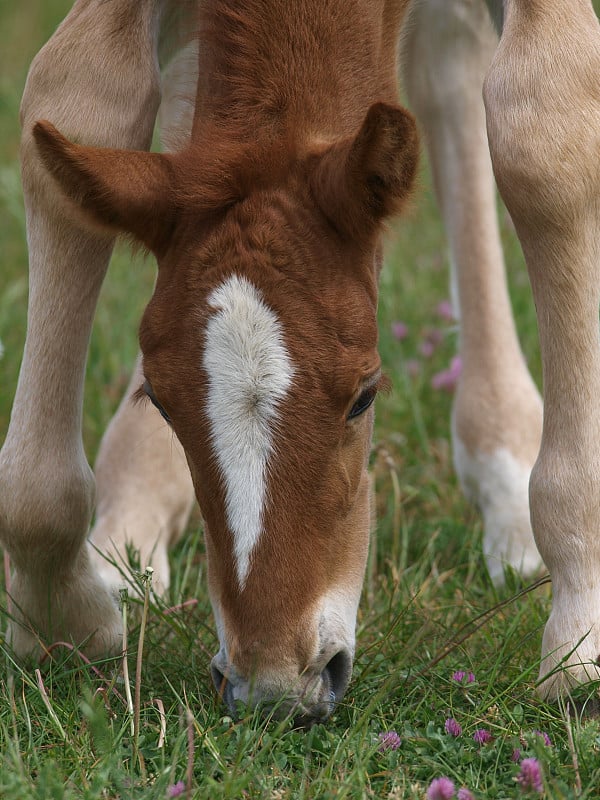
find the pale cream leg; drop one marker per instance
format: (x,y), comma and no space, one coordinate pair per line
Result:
(97,81)
(543,110)
(144,491)
(497,414)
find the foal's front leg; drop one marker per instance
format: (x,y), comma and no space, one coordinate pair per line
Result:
(543,108)
(97,81)
(497,416)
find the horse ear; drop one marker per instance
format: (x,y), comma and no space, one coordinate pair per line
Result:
(361,181)
(123,190)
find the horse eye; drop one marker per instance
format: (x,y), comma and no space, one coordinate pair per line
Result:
(363,402)
(152,397)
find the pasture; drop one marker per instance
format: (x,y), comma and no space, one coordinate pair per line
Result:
(446,664)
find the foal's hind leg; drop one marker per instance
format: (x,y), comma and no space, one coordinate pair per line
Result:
(144,491)
(497,410)
(97,81)
(543,109)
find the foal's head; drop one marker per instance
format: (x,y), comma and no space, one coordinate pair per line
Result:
(260,350)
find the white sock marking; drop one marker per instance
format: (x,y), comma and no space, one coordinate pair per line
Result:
(249,372)
(498,484)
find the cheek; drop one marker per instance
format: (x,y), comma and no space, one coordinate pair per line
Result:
(339,605)
(359,526)
(353,468)
(350,533)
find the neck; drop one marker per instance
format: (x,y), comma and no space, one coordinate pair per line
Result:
(309,66)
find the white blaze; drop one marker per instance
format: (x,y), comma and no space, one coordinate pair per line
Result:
(249,372)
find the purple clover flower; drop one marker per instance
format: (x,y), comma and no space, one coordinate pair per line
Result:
(389,740)
(452,727)
(426,348)
(399,330)
(482,736)
(530,776)
(460,676)
(176,789)
(516,755)
(445,311)
(545,737)
(448,378)
(465,794)
(440,789)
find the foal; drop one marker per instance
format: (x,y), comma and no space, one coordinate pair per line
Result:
(259,345)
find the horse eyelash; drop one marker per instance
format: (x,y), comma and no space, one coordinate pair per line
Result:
(139,396)
(384,384)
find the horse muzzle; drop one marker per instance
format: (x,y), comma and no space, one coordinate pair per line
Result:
(308,698)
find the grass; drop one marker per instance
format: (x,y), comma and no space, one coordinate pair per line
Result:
(66,731)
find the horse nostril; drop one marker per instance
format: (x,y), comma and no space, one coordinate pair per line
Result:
(303,722)
(335,679)
(337,673)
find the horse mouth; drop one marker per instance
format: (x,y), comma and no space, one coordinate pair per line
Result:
(300,708)
(224,688)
